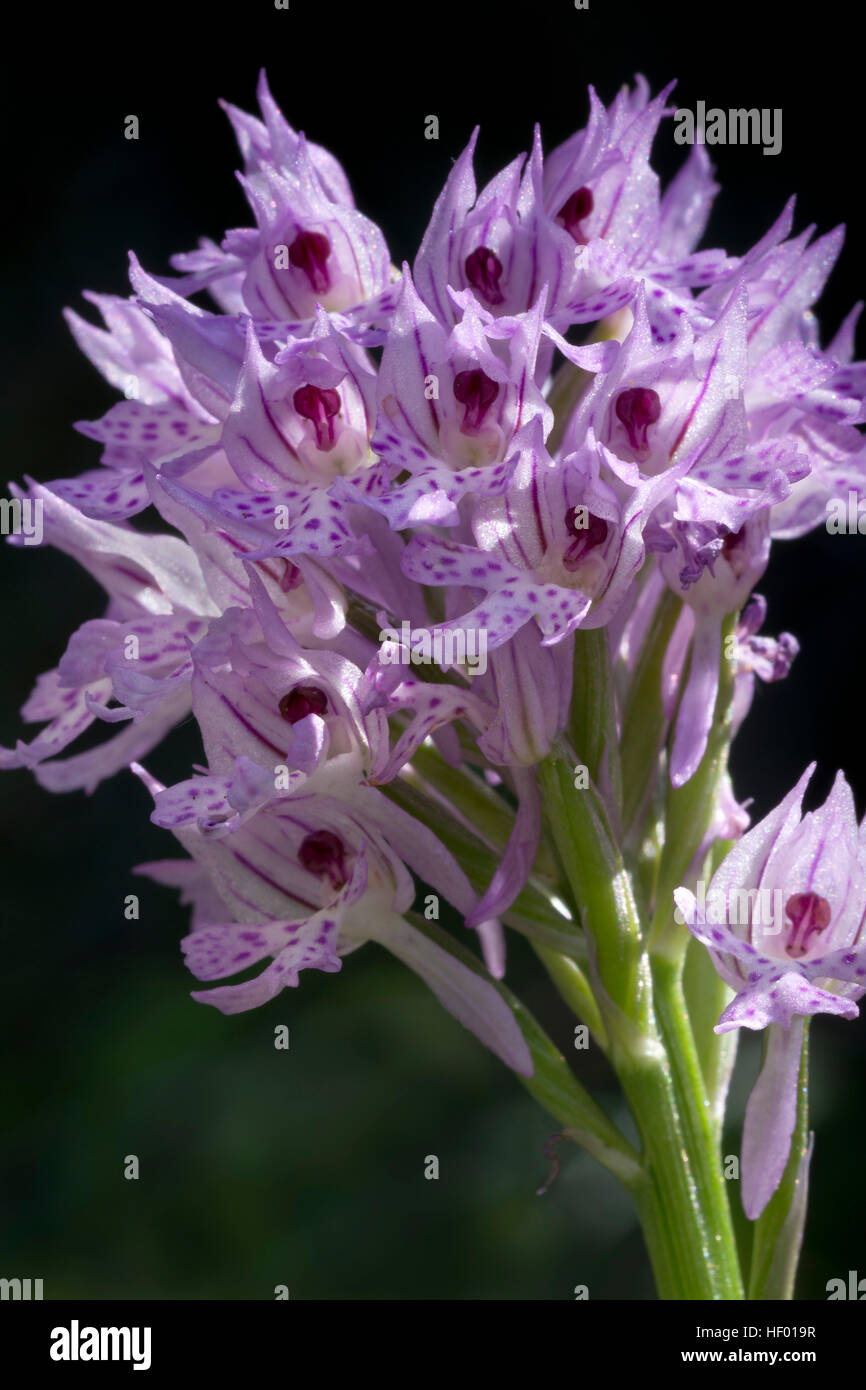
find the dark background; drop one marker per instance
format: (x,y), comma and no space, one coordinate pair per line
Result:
(305,1167)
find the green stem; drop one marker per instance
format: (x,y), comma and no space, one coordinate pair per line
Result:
(574,988)
(686,1219)
(643,722)
(700,1129)
(598,879)
(593,714)
(689,809)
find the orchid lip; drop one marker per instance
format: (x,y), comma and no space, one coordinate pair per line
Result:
(309,252)
(301,701)
(319,406)
(809,915)
(323,853)
(483,270)
(291,577)
(475,390)
(637,409)
(589,532)
(573,211)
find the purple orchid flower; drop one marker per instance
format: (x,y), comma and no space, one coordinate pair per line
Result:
(783,921)
(353,465)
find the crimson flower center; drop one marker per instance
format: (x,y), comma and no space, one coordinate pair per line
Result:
(323,853)
(292,577)
(303,700)
(574,210)
(484,271)
(589,532)
(476,392)
(637,409)
(309,252)
(809,915)
(319,406)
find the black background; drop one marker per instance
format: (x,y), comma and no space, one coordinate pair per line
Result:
(305,1167)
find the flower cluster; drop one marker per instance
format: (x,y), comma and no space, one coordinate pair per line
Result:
(561,414)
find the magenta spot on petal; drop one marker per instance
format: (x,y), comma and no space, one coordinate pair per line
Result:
(483,270)
(309,252)
(637,409)
(573,211)
(319,406)
(586,537)
(301,701)
(809,914)
(323,853)
(476,392)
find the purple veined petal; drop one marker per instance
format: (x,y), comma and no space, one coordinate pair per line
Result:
(685,206)
(433,495)
(336,255)
(695,716)
(68,713)
(744,865)
(219,560)
(282,143)
(474,1001)
(205,346)
(434,267)
(192,882)
(433,705)
(257,433)
(103,494)
(782,316)
(771,1114)
(84,771)
(416,350)
(155,572)
(742,869)
(778,993)
(531,685)
(417,845)
(130,352)
(132,429)
(519,855)
(213,952)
